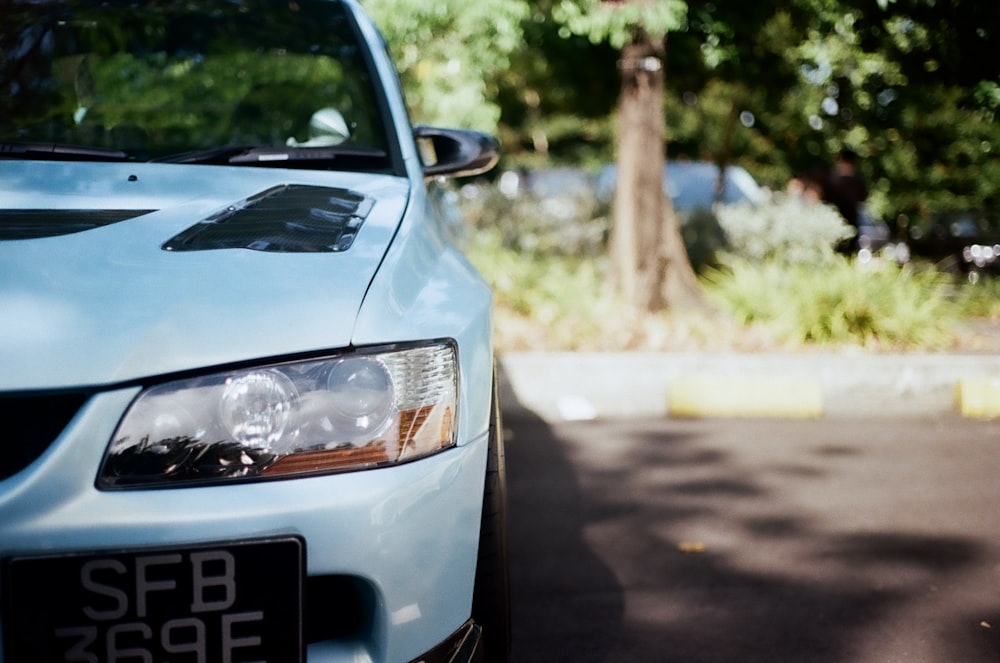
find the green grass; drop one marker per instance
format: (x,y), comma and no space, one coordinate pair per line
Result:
(840,303)
(980,299)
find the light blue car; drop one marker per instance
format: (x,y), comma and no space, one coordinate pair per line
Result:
(246,378)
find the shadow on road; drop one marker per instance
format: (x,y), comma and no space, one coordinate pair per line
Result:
(559,587)
(669,541)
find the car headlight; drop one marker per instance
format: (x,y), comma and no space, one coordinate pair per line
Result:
(347,412)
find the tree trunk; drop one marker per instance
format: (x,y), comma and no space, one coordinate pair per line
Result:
(649,263)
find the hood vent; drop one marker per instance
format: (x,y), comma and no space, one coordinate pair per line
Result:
(41,223)
(292,218)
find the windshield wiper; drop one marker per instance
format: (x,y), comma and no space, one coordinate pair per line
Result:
(59,152)
(215,155)
(280,156)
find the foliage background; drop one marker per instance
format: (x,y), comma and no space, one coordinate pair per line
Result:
(912,85)
(450,53)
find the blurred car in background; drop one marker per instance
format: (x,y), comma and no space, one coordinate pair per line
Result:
(965,241)
(692,185)
(568,209)
(562,192)
(551,210)
(874,236)
(695,187)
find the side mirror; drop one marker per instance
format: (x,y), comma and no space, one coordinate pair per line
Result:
(455,152)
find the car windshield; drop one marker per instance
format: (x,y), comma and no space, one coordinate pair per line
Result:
(200,81)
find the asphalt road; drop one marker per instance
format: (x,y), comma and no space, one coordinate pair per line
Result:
(717,541)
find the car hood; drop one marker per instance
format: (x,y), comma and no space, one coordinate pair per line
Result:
(115,272)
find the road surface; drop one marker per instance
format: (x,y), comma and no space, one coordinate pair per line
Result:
(872,540)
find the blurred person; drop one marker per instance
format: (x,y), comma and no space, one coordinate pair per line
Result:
(846,189)
(808,186)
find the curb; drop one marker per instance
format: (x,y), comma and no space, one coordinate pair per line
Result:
(978,397)
(566,386)
(783,396)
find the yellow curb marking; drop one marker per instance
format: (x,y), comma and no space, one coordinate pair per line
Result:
(978,397)
(786,396)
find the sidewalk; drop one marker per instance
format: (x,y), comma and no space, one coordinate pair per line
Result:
(565,386)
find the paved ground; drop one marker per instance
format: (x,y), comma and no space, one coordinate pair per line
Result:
(869,540)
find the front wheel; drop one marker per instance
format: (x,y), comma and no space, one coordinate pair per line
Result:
(491,597)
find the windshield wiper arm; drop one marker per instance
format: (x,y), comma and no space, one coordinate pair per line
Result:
(215,155)
(59,152)
(273,156)
(276,155)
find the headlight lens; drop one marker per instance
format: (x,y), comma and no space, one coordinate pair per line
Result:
(356,411)
(362,393)
(255,408)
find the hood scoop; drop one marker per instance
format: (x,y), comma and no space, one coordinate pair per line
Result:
(42,223)
(292,218)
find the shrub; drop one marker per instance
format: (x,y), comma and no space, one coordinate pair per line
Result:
(774,273)
(979,299)
(785,229)
(838,303)
(567,224)
(543,300)
(703,237)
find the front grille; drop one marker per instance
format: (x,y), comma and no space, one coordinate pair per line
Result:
(30,424)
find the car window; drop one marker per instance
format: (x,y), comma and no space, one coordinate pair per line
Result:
(691,185)
(741,186)
(694,185)
(161,78)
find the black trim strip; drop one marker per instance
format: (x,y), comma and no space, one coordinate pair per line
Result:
(40,223)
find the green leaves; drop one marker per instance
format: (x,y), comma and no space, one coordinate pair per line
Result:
(448,52)
(784,229)
(620,22)
(839,303)
(914,87)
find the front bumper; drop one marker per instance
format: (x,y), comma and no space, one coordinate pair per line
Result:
(403,539)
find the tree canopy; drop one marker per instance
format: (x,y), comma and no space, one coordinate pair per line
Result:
(912,86)
(450,53)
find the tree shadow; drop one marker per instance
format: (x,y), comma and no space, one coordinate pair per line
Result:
(559,587)
(639,541)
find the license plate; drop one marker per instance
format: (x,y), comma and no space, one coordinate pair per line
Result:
(228,603)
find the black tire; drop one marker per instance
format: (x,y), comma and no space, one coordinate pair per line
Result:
(491,597)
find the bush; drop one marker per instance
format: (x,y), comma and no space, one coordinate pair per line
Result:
(784,229)
(568,224)
(980,299)
(557,213)
(703,237)
(772,271)
(838,303)
(542,300)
